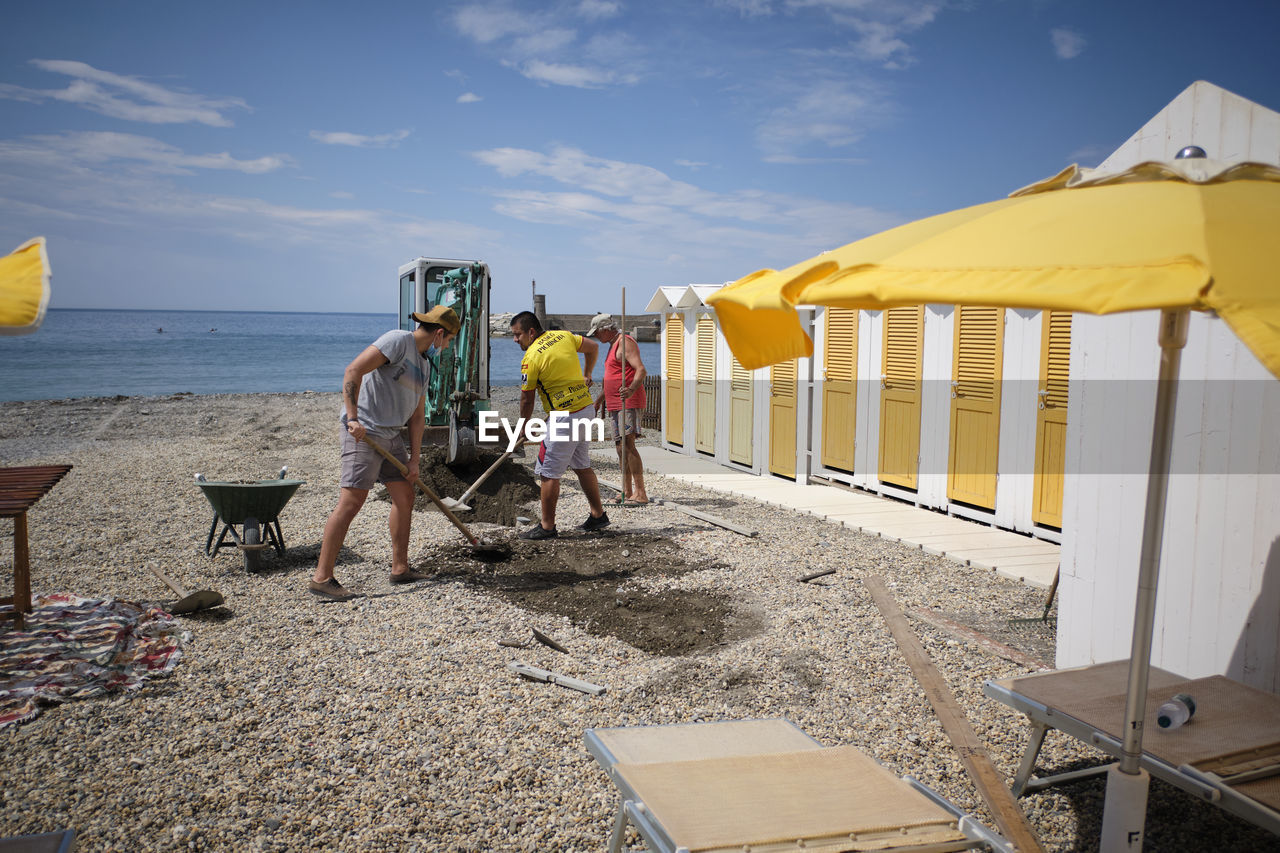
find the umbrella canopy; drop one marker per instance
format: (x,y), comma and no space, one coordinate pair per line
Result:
(24,288)
(1197,234)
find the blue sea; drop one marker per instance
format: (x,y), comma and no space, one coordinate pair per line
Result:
(93,353)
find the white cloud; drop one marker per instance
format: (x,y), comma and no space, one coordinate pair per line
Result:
(96,147)
(832,113)
(358,140)
(691,164)
(469,98)
(599,9)
(342,194)
(881,26)
(548,41)
(748,8)
(547,46)
(793,160)
(486,23)
(1067,43)
(578,76)
(624,209)
(124,97)
(1089,154)
(77,177)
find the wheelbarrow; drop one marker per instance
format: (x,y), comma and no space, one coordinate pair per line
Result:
(255,506)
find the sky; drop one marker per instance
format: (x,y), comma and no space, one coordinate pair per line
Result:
(290,156)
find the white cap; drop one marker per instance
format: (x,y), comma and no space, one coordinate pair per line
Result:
(601,321)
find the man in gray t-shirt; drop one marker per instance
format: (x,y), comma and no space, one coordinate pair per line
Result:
(383,389)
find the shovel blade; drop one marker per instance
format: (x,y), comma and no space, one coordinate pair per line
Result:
(456,506)
(199,600)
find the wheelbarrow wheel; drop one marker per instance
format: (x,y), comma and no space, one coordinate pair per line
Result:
(252,538)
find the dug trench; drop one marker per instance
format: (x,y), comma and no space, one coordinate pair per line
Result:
(608,584)
(612,583)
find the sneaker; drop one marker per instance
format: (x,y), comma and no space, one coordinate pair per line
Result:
(331,590)
(596,523)
(409,576)
(539,532)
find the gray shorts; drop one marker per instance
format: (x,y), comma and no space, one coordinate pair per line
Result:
(556,457)
(624,422)
(362,466)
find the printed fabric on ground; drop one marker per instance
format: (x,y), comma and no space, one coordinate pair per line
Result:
(75,648)
(551,366)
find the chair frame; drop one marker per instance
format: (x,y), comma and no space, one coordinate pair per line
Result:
(1207,786)
(632,810)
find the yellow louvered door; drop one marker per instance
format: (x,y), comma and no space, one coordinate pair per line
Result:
(782,418)
(900,395)
(1051,420)
(839,387)
(704,436)
(741,413)
(975,405)
(673,399)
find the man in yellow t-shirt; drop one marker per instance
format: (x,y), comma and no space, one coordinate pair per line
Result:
(550,370)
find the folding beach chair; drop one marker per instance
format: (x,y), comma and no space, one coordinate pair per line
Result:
(1228,753)
(764,785)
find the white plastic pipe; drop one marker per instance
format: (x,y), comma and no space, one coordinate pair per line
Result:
(1124,811)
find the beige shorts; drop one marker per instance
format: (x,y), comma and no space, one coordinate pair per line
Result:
(362,466)
(624,421)
(556,457)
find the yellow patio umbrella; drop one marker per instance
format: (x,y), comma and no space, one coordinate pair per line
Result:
(1191,234)
(24,288)
(1194,234)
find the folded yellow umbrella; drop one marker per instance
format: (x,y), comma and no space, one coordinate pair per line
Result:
(1195,234)
(24,288)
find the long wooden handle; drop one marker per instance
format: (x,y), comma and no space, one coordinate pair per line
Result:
(403,469)
(471,490)
(973,755)
(182,593)
(622,416)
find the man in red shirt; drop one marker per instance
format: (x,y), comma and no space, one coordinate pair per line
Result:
(623,396)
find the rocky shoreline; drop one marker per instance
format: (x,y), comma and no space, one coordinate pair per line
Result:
(392,723)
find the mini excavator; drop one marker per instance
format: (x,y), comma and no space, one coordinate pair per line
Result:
(459,386)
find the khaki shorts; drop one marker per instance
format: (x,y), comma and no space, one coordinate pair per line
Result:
(362,466)
(624,421)
(556,457)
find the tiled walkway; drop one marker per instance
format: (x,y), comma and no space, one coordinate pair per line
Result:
(1032,561)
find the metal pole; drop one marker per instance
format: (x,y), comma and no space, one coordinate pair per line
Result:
(1124,813)
(622,416)
(1173,337)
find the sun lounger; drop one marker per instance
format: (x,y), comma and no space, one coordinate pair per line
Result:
(765,785)
(1228,753)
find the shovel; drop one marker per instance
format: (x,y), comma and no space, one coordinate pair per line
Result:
(460,505)
(478,545)
(188,602)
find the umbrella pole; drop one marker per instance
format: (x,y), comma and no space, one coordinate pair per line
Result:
(1125,810)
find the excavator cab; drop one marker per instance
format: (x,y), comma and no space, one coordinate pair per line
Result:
(459,386)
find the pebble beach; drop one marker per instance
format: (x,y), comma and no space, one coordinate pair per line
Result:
(391,723)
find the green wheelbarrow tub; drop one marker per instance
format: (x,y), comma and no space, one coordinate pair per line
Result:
(260,499)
